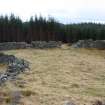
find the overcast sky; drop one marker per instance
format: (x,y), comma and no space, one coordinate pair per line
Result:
(66,11)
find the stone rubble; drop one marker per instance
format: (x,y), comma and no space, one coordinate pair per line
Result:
(15,67)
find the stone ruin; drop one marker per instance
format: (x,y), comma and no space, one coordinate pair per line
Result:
(98,44)
(33,44)
(15,67)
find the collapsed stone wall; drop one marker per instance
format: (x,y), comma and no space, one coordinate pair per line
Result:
(34,44)
(14,68)
(99,44)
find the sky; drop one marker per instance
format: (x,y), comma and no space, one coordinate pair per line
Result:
(65,11)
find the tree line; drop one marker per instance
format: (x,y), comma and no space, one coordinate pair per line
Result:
(13,29)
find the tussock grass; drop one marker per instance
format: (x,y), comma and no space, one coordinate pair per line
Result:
(63,74)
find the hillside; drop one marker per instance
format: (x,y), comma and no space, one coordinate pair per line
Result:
(57,75)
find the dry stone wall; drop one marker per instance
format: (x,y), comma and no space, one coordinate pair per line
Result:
(44,44)
(99,44)
(12,45)
(34,44)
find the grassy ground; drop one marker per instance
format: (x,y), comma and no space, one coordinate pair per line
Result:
(58,75)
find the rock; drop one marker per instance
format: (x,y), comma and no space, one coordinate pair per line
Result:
(3,78)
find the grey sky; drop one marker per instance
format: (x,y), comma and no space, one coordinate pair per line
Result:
(66,11)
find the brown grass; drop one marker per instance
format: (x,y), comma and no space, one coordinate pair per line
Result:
(2,68)
(58,75)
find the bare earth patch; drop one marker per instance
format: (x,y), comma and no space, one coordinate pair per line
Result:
(58,75)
